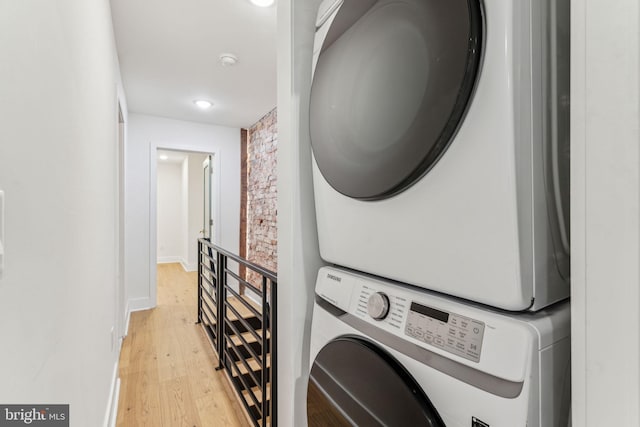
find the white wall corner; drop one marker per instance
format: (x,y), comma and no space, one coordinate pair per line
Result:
(139,304)
(188,267)
(298,253)
(127,314)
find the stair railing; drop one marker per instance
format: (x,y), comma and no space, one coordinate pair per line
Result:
(239,318)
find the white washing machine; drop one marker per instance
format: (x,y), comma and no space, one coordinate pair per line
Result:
(440,136)
(391,355)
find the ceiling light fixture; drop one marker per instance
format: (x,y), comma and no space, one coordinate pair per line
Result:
(164,157)
(263,3)
(228,59)
(202,103)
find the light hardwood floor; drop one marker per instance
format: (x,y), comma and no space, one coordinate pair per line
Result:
(167,364)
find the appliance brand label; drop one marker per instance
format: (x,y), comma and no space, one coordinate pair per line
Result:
(335,278)
(335,288)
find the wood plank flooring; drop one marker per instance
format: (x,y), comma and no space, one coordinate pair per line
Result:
(167,364)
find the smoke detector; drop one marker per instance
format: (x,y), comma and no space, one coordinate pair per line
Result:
(228,60)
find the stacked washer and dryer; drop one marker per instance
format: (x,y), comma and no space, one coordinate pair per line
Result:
(440,137)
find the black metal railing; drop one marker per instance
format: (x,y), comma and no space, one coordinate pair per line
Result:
(241,329)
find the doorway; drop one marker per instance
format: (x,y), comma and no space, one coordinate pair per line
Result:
(177,207)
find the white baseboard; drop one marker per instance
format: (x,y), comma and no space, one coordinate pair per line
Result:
(138,304)
(168,259)
(114,394)
(127,314)
(188,267)
(134,304)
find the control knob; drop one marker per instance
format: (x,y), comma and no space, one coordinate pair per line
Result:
(378,305)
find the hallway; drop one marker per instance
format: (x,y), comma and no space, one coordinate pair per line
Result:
(167,364)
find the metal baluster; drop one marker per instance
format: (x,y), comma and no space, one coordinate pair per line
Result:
(264,351)
(199,283)
(221,344)
(273,350)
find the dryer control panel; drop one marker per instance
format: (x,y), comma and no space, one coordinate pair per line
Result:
(397,306)
(451,332)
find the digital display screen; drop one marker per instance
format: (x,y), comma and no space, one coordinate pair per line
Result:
(431,312)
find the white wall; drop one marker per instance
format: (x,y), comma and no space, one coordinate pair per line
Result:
(171,204)
(58,86)
(147,133)
(298,254)
(195,209)
(605,208)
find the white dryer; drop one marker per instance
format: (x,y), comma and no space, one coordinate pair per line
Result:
(440,141)
(389,355)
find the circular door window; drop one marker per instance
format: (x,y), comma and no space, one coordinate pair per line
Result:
(355,383)
(390,90)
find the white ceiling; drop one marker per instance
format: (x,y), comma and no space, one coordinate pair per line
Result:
(169,56)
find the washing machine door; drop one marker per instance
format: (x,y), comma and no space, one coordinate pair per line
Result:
(355,383)
(390,90)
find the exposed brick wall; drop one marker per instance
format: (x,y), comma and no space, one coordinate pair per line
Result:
(262,236)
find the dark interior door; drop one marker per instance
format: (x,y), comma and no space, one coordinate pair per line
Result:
(355,383)
(390,89)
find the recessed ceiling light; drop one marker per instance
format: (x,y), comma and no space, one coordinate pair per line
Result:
(202,103)
(164,157)
(263,3)
(228,59)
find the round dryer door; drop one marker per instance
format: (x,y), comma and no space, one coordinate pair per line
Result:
(355,383)
(390,90)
